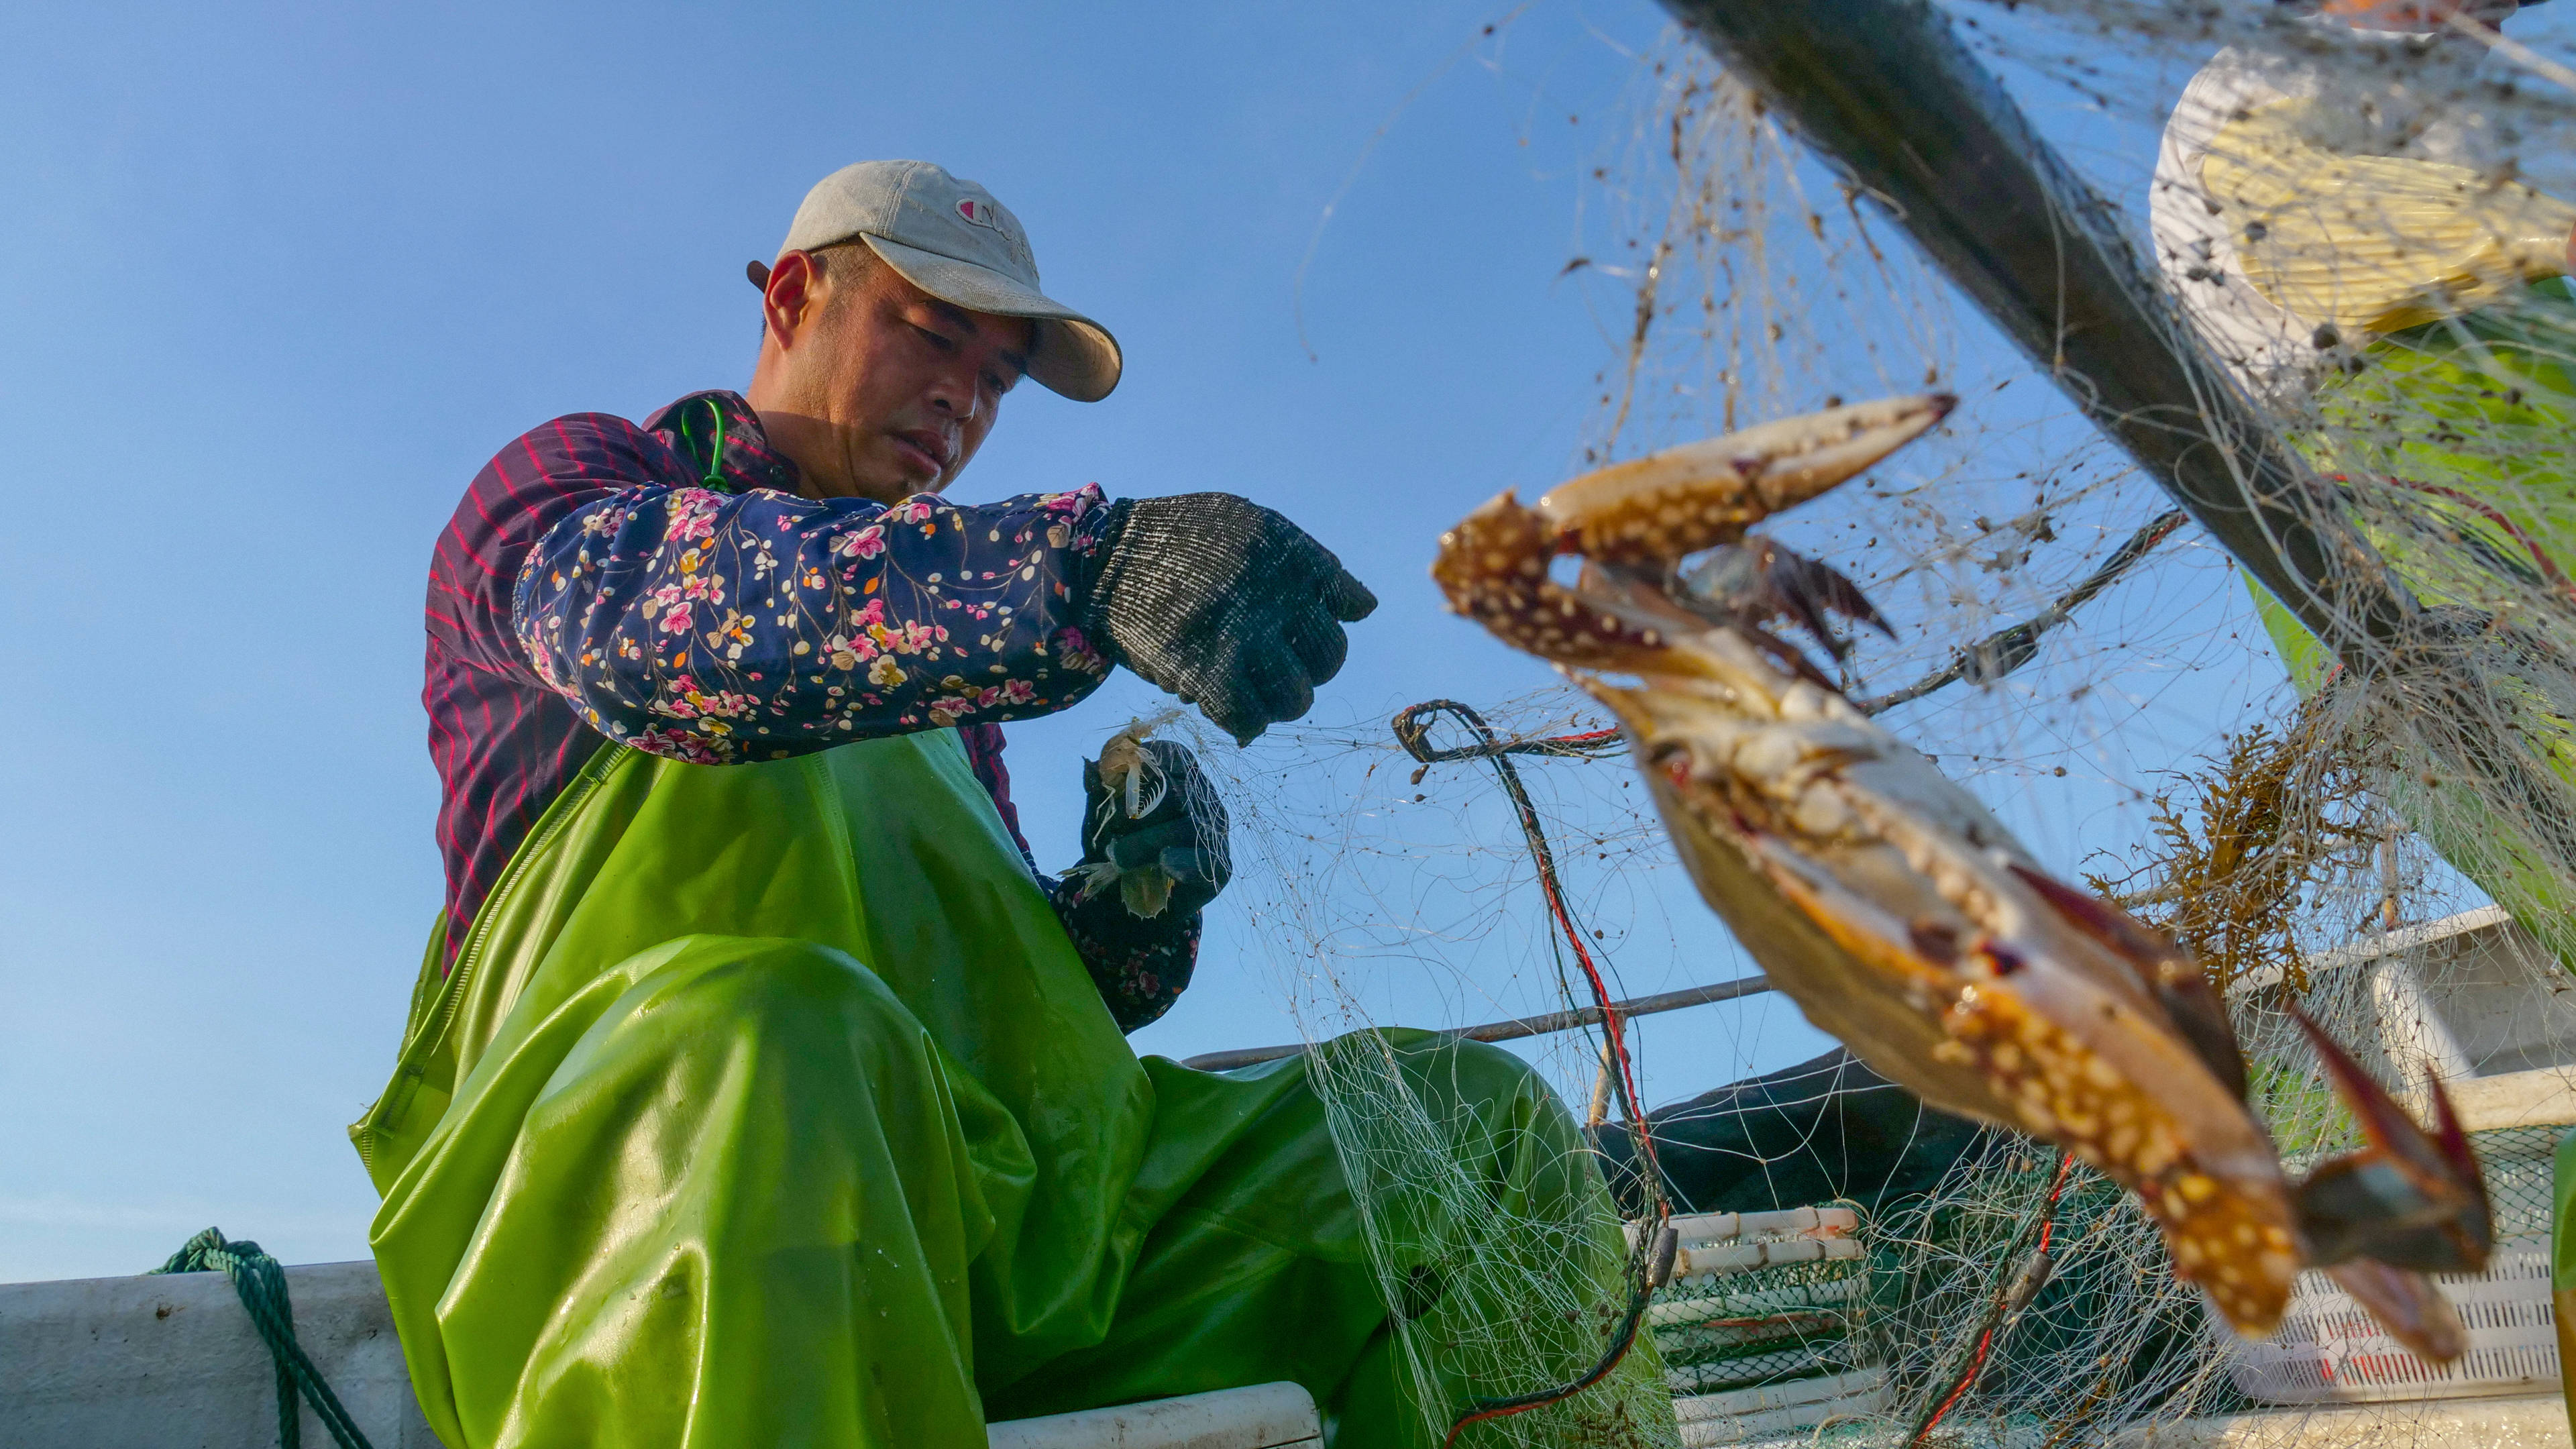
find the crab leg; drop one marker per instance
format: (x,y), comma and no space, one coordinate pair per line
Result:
(2409,1198)
(2407,1204)
(2406,1304)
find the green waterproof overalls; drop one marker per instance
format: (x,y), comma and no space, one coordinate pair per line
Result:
(769,1104)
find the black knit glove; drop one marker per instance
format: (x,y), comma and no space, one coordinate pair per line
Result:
(1223,603)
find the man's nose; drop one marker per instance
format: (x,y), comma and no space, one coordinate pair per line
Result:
(954,395)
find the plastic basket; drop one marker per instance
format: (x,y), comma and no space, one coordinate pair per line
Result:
(1770,1411)
(2329,1351)
(1757,1327)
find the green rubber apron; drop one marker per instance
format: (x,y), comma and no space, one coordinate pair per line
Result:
(770,1104)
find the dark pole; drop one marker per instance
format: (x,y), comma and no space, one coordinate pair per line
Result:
(1885,92)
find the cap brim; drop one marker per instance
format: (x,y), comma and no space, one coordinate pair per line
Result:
(1074,355)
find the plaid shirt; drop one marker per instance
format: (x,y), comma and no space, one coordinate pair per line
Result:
(665,586)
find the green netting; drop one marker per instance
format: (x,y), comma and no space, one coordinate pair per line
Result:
(2517,1163)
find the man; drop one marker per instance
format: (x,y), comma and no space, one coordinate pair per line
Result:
(756,1089)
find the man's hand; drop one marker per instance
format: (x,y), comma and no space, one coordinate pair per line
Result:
(1225,604)
(1170,858)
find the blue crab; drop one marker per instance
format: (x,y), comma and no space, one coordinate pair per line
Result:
(1902,918)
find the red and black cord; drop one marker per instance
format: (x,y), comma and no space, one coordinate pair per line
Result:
(1649,1256)
(2011,1296)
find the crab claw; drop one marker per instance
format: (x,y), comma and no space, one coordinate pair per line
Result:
(2406,1304)
(2410,1199)
(1657,509)
(1635,520)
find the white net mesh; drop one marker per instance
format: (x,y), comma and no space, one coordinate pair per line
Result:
(2359,238)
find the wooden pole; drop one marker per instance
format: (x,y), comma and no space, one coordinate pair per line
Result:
(1883,91)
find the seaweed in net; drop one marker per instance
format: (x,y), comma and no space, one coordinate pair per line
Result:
(2237,847)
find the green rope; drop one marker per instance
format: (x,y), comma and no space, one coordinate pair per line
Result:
(261,1282)
(715,460)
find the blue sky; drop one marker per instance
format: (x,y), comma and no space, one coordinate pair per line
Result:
(274,280)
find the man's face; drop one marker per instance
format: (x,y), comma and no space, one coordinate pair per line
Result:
(880,390)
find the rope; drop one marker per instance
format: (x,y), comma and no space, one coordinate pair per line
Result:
(2011,1296)
(261,1282)
(1651,1258)
(2009,648)
(1413,732)
(715,457)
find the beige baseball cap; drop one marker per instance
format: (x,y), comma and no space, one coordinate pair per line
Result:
(951,239)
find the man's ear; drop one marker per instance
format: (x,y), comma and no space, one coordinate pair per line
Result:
(790,296)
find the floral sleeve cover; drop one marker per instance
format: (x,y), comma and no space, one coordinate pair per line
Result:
(738,622)
(717,627)
(1141,964)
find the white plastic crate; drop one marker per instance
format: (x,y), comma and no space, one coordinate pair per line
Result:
(1715,1244)
(2329,1352)
(1796,1407)
(1754,1324)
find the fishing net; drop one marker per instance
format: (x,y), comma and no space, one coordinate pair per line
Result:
(2355,801)
(1377,890)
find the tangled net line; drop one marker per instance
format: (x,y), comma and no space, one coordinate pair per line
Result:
(1651,1254)
(2123,714)
(2279,829)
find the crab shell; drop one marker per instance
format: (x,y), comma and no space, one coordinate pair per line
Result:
(1874,891)
(1906,922)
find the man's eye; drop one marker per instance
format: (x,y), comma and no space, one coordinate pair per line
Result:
(939,340)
